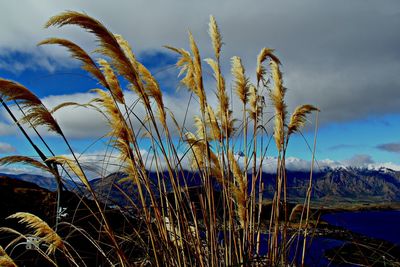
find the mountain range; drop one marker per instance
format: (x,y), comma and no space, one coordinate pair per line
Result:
(338,184)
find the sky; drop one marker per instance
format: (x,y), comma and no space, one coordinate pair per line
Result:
(341,56)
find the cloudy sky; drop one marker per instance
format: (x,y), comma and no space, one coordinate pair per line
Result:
(342,56)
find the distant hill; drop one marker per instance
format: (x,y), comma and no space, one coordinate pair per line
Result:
(352,184)
(48,183)
(340,184)
(45,182)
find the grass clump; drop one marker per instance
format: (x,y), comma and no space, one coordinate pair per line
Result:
(219,225)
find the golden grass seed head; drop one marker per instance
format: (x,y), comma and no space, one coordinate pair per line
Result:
(241,81)
(41,230)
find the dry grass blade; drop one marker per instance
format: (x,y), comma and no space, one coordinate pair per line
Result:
(41,230)
(80,54)
(25,160)
(296,209)
(69,104)
(298,118)
(215,35)
(5,260)
(241,81)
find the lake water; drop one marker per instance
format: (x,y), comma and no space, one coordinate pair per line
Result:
(378,224)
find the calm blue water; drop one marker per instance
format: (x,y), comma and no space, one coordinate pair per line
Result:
(316,248)
(378,224)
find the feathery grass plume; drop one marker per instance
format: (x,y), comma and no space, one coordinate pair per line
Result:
(241,81)
(117,123)
(137,67)
(198,122)
(73,166)
(211,120)
(215,168)
(108,45)
(112,81)
(12,91)
(191,67)
(121,134)
(126,47)
(186,66)
(128,166)
(35,112)
(5,260)
(228,124)
(77,52)
(254,109)
(223,98)
(198,73)
(262,56)
(215,35)
(40,116)
(26,160)
(153,90)
(298,118)
(197,147)
(277,96)
(41,230)
(239,190)
(185,63)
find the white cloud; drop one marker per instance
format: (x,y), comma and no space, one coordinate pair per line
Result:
(331,51)
(359,160)
(79,122)
(388,165)
(6,148)
(6,129)
(104,162)
(21,169)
